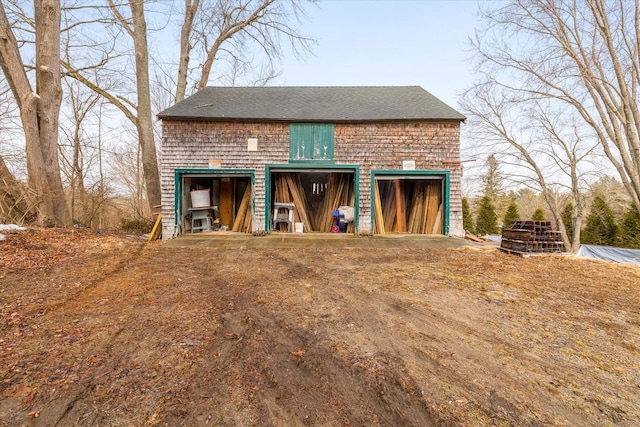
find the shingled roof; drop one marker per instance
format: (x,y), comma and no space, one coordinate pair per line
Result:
(313,104)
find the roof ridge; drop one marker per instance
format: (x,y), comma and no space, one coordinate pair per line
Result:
(312,103)
(315,86)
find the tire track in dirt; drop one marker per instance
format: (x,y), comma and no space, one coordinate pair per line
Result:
(313,381)
(295,337)
(43,300)
(462,352)
(58,319)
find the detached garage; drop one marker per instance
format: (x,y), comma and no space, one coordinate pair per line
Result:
(370,159)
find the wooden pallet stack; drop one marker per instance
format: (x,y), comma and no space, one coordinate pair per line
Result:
(528,237)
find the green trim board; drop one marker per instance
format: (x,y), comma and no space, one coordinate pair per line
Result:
(404,174)
(181,173)
(308,167)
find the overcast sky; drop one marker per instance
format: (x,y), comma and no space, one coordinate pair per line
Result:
(387,42)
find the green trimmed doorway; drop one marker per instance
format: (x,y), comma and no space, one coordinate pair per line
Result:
(315,193)
(412,204)
(230,193)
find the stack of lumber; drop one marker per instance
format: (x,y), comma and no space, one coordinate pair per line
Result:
(288,189)
(531,237)
(156,231)
(407,207)
(388,201)
(244,214)
(470,236)
(340,192)
(378,215)
(426,209)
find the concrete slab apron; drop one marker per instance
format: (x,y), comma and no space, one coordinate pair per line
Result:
(309,240)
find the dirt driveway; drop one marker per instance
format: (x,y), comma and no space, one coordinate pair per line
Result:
(101,330)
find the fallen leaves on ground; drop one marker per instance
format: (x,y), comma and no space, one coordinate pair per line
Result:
(98,329)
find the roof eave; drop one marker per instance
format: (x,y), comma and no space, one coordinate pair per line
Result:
(308,120)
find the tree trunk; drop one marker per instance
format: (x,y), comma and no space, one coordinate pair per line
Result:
(39,110)
(144,123)
(78,191)
(577,229)
(49,88)
(191,7)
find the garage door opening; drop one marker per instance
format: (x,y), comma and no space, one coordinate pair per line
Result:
(229,202)
(315,195)
(411,205)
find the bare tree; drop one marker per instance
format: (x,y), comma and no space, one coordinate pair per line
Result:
(106,47)
(220,30)
(14,204)
(540,150)
(100,78)
(9,113)
(126,163)
(75,161)
(14,198)
(39,108)
(190,9)
(583,54)
(493,179)
(136,27)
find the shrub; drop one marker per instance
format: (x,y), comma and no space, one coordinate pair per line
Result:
(139,225)
(538,215)
(487,220)
(629,232)
(567,220)
(511,215)
(467,218)
(601,228)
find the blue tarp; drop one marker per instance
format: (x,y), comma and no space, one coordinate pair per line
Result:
(610,254)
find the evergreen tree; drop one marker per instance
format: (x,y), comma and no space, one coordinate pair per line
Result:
(601,228)
(538,215)
(487,219)
(493,180)
(629,236)
(567,219)
(511,215)
(467,219)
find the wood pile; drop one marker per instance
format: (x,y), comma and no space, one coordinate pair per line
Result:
(244,215)
(470,236)
(340,191)
(412,206)
(531,237)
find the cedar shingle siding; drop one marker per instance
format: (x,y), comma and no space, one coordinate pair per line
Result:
(189,143)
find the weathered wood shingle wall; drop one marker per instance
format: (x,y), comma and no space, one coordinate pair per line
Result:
(384,146)
(190,144)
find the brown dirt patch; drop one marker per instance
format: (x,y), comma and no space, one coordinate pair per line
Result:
(100,330)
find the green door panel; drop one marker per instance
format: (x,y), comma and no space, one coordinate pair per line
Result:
(311,141)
